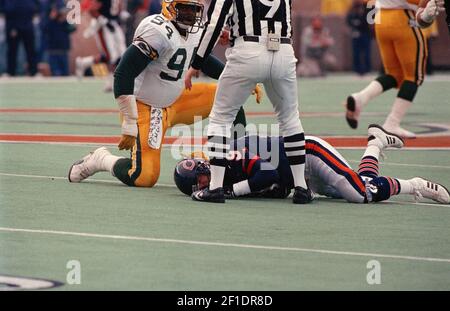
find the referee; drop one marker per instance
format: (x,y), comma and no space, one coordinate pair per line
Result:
(261,52)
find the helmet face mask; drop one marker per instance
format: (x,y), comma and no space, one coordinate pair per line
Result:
(203,176)
(191,175)
(187,14)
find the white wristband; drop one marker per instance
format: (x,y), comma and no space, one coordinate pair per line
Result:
(241,188)
(128,108)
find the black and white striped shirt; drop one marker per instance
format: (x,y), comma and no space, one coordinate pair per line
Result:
(245,18)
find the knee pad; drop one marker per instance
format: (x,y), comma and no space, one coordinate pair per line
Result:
(388,81)
(408,90)
(120,171)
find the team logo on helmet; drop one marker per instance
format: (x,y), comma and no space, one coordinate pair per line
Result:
(188,14)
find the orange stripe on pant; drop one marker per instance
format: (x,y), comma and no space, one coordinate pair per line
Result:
(355,177)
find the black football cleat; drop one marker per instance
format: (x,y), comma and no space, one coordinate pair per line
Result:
(352,112)
(302,196)
(212,196)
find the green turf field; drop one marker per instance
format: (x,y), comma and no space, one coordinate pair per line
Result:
(159,239)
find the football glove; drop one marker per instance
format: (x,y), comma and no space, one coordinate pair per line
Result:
(432,10)
(259,93)
(128,109)
(229,193)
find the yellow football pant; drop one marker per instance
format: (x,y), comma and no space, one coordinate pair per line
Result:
(402,46)
(146,160)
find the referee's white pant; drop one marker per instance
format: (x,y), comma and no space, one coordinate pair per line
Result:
(249,63)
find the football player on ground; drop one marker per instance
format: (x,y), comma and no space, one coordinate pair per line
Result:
(327,172)
(109,36)
(149,90)
(404,53)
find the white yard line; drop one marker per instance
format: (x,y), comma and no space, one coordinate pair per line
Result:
(221,244)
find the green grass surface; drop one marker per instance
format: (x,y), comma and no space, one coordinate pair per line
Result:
(35,195)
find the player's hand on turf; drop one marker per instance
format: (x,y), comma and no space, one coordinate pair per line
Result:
(129,134)
(127,142)
(259,93)
(188,79)
(128,115)
(432,10)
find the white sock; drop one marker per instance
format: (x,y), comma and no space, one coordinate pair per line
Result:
(298,171)
(373,90)
(405,186)
(398,111)
(372,151)
(241,188)
(217,175)
(108,162)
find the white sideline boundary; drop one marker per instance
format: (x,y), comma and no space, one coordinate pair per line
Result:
(221,244)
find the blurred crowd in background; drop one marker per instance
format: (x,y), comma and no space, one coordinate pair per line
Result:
(35,37)
(35,34)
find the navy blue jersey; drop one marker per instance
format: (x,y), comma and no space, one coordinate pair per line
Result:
(261,160)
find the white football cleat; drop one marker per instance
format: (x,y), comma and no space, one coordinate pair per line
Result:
(399,131)
(430,190)
(88,166)
(384,139)
(353,111)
